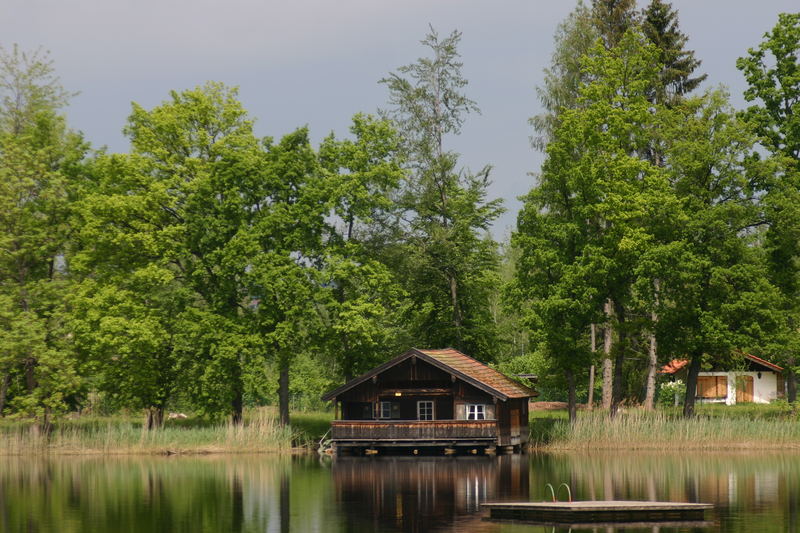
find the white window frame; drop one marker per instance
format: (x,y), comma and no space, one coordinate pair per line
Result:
(384,410)
(476,411)
(426,408)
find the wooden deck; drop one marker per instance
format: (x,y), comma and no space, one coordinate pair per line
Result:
(419,431)
(598,511)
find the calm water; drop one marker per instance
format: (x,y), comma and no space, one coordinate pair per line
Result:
(753,492)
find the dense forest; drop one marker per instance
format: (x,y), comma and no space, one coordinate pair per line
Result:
(207,269)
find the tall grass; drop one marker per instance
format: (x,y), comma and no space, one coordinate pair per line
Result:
(118,435)
(643,430)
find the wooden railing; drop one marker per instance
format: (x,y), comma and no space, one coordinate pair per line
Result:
(413,430)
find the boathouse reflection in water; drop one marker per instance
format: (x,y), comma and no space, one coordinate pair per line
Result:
(424,493)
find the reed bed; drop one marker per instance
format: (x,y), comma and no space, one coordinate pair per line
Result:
(638,429)
(259,433)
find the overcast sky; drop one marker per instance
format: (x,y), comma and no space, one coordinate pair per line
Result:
(317,62)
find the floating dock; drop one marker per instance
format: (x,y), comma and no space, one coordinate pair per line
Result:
(594,512)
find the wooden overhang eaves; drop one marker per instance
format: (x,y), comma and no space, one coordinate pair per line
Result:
(414,352)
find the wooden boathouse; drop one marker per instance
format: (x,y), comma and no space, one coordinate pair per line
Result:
(428,399)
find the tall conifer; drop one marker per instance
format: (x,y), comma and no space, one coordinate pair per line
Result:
(660,24)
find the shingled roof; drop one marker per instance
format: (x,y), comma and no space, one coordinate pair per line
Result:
(677,364)
(459,364)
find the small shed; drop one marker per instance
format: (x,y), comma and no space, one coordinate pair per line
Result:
(430,398)
(758,382)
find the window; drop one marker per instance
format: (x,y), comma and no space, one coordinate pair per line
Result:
(712,387)
(425,410)
(388,410)
(476,411)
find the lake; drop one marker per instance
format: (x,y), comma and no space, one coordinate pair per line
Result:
(267,493)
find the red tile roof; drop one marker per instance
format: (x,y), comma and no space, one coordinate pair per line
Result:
(760,361)
(673,366)
(479,372)
(459,364)
(677,364)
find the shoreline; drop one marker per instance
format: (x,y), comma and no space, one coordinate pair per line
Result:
(203,452)
(773,429)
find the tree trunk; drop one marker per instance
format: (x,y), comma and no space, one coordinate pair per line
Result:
(283,393)
(607,365)
(30,374)
(4,391)
(617,390)
(456,307)
(47,422)
(691,386)
(572,404)
(652,368)
(237,401)
(154,418)
(593,338)
(348,371)
(347,362)
(652,354)
(791,386)
(30,385)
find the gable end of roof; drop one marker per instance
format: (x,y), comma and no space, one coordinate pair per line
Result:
(456,363)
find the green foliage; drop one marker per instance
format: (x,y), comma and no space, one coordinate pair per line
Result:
(157,231)
(362,300)
(591,217)
(29,89)
(671,391)
(447,263)
(207,264)
(613,18)
(772,71)
(660,25)
(574,38)
(40,160)
(551,383)
(202,236)
(724,300)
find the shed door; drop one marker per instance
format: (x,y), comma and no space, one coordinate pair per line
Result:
(744,389)
(514,422)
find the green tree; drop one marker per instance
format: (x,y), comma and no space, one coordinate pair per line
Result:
(613,18)
(40,162)
(282,248)
(128,330)
(574,38)
(563,81)
(772,71)
(449,266)
(660,24)
(174,208)
(364,302)
(717,298)
(591,216)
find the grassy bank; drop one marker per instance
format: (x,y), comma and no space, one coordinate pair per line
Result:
(125,435)
(714,428)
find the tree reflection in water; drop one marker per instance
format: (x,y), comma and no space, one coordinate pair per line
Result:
(268,493)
